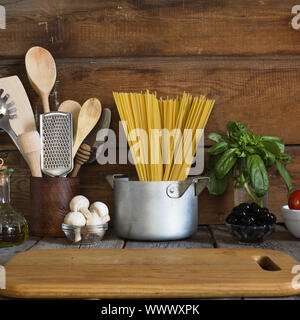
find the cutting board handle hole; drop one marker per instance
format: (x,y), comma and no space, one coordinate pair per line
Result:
(267,264)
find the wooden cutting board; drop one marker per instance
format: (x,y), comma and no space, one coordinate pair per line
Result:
(149,273)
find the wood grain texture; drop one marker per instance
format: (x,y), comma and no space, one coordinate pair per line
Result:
(212,209)
(257,92)
(149,28)
(202,239)
(140,273)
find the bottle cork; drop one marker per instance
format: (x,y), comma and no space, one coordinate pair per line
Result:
(3,175)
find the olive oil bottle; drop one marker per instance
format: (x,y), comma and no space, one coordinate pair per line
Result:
(13,226)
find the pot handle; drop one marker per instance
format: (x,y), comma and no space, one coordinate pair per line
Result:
(177,189)
(111,177)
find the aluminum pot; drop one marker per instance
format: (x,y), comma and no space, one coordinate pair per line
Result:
(156,210)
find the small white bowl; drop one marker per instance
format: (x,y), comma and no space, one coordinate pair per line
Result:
(291,219)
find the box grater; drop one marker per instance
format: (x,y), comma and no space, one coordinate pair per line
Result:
(57,143)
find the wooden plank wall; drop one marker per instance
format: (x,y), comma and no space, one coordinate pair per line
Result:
(243,53)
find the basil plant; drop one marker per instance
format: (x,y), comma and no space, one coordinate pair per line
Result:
(245,157)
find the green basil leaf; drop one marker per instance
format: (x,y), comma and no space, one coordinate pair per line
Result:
(285,176)
(226,163)
(268,157)
(218,148)
(236,126)
(271,138)
(277,140)
(215,137)
(217,186)
(236,130)
(285,158)
(212,161)
(250,150)
(258,175)
(273,147)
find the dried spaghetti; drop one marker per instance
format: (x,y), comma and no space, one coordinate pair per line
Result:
(163,134)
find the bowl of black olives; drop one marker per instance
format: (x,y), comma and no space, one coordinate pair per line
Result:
(250,223)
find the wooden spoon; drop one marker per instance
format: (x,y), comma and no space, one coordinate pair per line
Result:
(89,115)
(30,147)
(41,72)
(72,107)
(82,156)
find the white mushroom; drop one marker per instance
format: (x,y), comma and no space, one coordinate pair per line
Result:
(101,210)
(78,203)
(94,220)
(77,220)
(93,223)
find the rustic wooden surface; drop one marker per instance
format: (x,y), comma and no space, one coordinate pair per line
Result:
(206,237)
(150,28)
(257,92)
(243,53)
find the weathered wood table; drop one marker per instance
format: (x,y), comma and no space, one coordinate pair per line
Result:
(212,236)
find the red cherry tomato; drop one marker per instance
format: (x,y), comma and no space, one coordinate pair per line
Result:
(294,200)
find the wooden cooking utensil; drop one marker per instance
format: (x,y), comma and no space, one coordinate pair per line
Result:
(82,156)
(30,147)
(41,72)
(91,141)
(72,107)
(174,273)
(99,134)
(89,115)
(24,120)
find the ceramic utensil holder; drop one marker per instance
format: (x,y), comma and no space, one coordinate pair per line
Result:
(50,198)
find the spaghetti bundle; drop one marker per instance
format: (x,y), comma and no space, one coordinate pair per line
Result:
(162,134)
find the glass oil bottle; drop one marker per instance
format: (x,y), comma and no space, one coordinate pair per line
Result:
(13,226)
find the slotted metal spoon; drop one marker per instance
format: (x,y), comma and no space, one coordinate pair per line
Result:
(7,112)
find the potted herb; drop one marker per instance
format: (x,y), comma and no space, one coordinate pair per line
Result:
(245,157)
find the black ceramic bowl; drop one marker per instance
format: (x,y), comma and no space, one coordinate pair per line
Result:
(250,234)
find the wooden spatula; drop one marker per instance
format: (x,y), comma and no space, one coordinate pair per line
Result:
(24,120)
(72,107)
(30,147)
(41,72)
(89,115)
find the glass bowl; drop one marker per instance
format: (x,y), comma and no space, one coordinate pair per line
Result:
(86,234)
(251,234)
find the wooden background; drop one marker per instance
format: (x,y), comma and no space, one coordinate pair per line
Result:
(243,53)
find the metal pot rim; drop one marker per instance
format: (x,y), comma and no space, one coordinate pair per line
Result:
(174,189)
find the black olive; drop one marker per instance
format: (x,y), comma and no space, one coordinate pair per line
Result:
(232,220)
(271,218)
(247,221)
(254,207)
(244,206)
